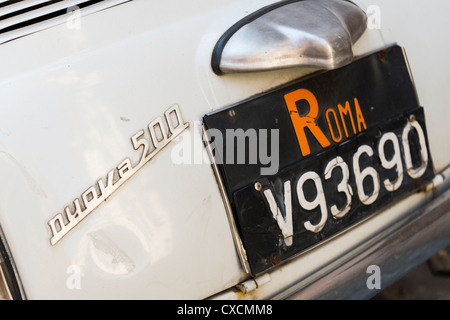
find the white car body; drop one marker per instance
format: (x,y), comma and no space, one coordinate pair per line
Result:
(74,93)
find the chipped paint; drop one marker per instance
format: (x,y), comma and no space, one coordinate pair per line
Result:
(116,260)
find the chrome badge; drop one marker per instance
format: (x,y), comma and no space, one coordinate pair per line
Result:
(161,134)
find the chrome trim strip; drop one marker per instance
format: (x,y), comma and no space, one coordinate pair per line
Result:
(17,292)
(410,72)
(236,237)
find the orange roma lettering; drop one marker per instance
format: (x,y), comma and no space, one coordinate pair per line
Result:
(329,111)
(348,112)
(359,116)
(308,121)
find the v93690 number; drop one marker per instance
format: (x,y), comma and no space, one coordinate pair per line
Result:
(372,167)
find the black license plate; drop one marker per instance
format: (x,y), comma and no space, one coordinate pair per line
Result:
(304,162)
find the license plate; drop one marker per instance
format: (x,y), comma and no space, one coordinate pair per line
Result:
(304,162)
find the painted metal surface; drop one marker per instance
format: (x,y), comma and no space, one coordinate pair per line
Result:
(83,97)
(71,98)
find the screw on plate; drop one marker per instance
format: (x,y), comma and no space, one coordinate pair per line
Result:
(275,260)
(258,186)
(382,55)
(412,118)
(232,113)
